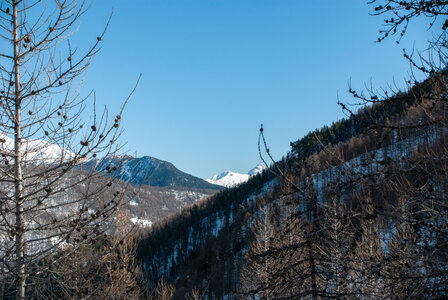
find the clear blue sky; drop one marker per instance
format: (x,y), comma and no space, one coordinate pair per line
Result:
(214,70)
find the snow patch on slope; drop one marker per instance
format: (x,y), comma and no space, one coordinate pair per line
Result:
(141,222)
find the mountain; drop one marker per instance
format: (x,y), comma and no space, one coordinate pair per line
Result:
(228,179)
(257,169)
(145,205)
(231,179)
(150,171)
(36,151)
(156,188)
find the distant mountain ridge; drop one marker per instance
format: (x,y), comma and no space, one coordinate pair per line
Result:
(36,151)
(142,170)
(157,188)
(151,171)
(231,179)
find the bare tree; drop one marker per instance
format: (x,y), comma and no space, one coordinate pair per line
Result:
(48,201)
(258,274)
(163,290)
(106,269)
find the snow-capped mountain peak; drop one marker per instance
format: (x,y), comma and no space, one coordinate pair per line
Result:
(228,179)
(224,174)
(36,151)
(231,179)
(257,169)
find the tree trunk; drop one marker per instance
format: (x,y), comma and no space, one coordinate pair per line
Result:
(312,270)
(18,184)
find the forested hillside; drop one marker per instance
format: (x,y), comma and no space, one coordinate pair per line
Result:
(188,242)
(356,209)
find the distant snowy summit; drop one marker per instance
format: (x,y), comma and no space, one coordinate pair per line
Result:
(36,151)
(228,179)
(231,179)
(257,170)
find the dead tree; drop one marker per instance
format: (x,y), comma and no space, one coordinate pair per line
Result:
(48,202)
(258,273)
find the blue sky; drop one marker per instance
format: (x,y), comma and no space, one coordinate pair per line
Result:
(214,70)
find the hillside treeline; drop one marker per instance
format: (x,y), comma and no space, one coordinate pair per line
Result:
(191,245)
(364,218)
(356,209)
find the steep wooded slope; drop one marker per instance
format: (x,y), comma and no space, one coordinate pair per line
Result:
(358,168)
